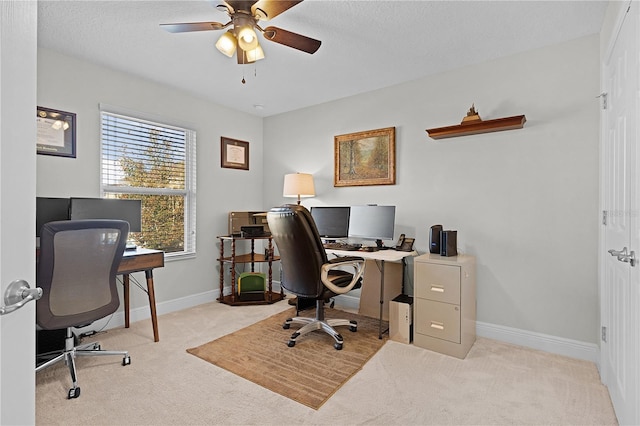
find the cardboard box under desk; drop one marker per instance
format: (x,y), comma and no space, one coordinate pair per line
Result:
(370,292)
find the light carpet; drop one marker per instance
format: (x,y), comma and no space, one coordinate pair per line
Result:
(497,384)
(308,373)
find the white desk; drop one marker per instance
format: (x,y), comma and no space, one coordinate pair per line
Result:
(382,256)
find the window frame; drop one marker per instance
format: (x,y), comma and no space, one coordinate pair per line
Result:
(189,192)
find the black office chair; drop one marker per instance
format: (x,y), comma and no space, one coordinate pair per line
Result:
(307,273)
(77,268)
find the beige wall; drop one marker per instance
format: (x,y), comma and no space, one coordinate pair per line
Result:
(524,202)
(72,85)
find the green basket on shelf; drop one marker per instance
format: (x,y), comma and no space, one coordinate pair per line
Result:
(252,286)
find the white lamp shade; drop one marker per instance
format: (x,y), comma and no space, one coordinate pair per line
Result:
(255,54)
(298,185)
(227,44)
(247,38)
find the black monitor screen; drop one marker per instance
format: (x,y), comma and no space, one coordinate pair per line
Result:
(332,222)
(372,222)
(49,210)
(108,208)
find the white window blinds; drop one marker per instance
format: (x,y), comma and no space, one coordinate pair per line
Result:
(153,162)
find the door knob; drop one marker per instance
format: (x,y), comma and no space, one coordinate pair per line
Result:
(18,294)
(624,256)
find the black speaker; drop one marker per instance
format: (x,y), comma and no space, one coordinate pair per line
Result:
(434,239)
(449,243)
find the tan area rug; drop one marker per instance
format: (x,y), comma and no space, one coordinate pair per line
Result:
(308,373)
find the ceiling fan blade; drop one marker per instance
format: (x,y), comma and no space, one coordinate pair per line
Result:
(297,41)
(192,26)
(269,9)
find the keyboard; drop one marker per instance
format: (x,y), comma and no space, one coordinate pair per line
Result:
(342,246)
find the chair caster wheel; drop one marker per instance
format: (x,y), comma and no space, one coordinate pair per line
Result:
(126,360)
(338,346)
(353,328)
(291,343)
(286,325)
(74,393)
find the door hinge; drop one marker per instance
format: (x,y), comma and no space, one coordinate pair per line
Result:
(604,334)
(603,95)
(604,217)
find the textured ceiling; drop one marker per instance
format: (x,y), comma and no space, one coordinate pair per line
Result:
(366,45)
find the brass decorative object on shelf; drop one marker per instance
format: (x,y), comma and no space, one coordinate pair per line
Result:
(472,124)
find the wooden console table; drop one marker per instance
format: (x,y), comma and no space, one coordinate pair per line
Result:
(252,257)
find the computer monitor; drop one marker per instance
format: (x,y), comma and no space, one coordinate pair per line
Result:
(332,222)
(108,208)
(49,210)
(372,222)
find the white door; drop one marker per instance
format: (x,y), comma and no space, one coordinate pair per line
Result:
(620,279)
(18,27)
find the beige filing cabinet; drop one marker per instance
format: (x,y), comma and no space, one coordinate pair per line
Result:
(445,303)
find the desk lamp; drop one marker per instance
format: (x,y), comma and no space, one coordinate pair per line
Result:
(298,185)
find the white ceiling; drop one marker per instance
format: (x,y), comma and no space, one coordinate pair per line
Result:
(366,45)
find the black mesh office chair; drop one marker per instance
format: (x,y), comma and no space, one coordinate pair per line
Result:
(77,269)
(307,273)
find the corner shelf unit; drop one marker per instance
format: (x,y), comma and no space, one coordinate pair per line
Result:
(252,257)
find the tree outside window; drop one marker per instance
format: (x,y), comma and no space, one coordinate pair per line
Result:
(154,163)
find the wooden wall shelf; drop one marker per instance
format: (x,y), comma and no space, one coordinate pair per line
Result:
(472,124)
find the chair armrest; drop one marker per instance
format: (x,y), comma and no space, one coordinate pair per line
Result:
(357,263)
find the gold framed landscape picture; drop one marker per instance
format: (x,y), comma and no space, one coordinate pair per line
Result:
(365,158)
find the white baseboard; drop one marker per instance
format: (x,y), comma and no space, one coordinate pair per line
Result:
(142,313)
(529,339)
(543,342)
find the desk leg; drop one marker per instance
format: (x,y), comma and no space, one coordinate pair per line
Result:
(380,331)
(152,304)
(125,284)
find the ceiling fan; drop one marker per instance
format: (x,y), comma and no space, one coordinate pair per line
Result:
(241,37)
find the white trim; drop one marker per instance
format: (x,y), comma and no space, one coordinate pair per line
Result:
(529,339)
(617,27)
(146,116)
(143,313)
(544,342)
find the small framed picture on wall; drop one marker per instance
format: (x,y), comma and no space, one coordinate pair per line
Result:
(234,154)
(56,132)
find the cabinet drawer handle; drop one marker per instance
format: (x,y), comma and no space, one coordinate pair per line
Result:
(437,288)
(437,325)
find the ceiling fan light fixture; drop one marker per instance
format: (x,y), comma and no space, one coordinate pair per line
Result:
(247,38)
(255,54)
(227,44)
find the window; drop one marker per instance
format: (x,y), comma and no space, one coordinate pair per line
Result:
(155,163)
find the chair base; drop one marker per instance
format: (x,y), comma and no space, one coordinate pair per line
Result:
(69,354)
(319,323)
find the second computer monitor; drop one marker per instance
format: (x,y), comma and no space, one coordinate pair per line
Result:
(108,208)
(372,222)
(332,222)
